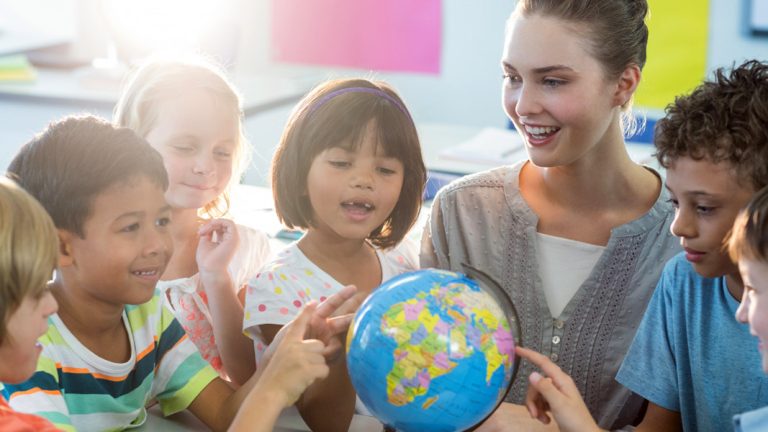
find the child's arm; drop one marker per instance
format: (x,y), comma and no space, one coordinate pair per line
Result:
(328,404)
(295,364)
(218,243)
(291,365)
(558,394)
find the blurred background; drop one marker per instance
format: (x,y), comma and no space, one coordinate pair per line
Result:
(59,57)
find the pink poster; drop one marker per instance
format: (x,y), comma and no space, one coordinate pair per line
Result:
(384,35)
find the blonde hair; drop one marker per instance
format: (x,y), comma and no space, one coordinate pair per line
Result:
(159,79)
(28,249)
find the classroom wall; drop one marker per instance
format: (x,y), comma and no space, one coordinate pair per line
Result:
(468,89)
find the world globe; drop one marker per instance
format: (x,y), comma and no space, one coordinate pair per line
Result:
(433,350)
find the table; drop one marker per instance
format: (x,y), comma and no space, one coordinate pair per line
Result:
(289,421)
(101,88)
(436,137)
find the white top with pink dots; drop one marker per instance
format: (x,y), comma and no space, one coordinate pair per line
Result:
(284,285)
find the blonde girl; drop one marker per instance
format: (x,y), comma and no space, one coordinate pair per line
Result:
(191,114)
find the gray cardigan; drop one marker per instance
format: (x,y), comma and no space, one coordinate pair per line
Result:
(483,220)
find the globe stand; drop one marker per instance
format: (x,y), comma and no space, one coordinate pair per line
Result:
(503,298)
(389,429)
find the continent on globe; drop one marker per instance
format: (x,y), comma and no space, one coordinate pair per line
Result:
(426,342)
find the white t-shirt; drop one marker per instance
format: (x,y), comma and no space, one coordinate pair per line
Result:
(564,265)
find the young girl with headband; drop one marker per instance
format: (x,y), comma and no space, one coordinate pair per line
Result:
(349,171)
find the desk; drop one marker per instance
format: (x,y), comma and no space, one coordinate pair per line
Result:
(289,421)
(101,88)
(26,108)
(436,137)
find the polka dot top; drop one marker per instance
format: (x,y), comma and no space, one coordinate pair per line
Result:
(291,280)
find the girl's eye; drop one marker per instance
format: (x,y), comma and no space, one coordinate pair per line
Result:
(221,154)
(339,163)
(705,210)
(183,149)
(131,228)
(163,221)
(386,171)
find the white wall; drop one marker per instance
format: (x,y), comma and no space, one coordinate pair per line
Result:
(729,38)
(468,89)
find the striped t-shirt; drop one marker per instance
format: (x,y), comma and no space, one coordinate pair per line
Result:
(77,390)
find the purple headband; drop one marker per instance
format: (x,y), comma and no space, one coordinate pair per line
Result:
(323,100)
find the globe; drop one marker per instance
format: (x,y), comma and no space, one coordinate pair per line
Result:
(433,350)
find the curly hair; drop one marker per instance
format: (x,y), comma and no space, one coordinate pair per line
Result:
(725,119)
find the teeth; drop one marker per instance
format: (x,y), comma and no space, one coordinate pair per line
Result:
(540,130)
(366,206)
(145,273)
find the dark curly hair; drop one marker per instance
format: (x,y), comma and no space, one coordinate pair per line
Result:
(725,119)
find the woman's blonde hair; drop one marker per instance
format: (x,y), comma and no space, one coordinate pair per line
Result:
(162,78)
(28,249)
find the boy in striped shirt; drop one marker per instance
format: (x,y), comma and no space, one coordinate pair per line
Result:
(113,348)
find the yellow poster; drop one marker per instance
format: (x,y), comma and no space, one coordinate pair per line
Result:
(677,51)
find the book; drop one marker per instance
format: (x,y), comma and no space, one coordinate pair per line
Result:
(16,68)
(490,146)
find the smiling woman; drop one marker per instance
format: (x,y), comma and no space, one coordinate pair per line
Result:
(578,221)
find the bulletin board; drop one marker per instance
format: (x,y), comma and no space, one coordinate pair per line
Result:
(677,51)
(391,35)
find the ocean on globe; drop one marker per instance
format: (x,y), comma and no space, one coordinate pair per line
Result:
(432,350)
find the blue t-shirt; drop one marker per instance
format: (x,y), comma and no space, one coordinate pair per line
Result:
(690,355)
(753,421)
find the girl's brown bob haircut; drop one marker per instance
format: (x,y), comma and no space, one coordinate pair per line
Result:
(322,121)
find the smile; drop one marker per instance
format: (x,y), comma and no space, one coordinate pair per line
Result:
(198,187)
(151,275)
(359,205)
(540,132)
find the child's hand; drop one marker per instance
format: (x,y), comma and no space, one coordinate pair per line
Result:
(217,246)
(293,363)
(332,318)
(556,393)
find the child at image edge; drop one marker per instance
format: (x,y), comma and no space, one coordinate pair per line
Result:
(748,246)
(27,258)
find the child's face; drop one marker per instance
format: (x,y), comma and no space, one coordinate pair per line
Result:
(20,350)
(126,245)
(554,90)
(197,136)
(754,303)
(707,198)
(353,192)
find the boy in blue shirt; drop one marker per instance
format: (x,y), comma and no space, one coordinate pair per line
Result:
(689,358)
(748,245)
(113,348)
